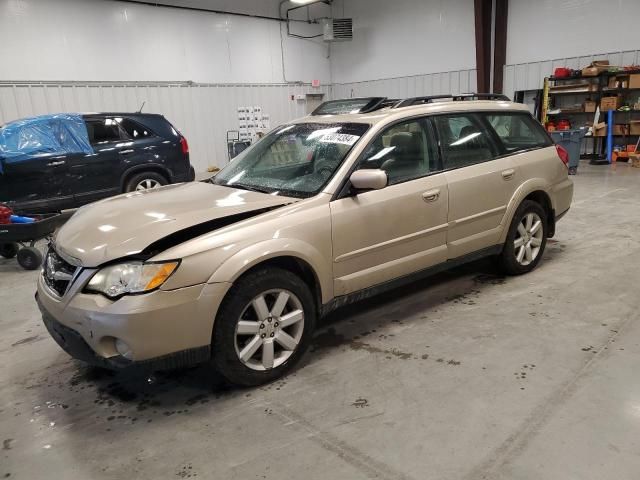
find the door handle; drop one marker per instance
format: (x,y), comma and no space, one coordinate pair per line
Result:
(56,164)
(431,195)
(508,174)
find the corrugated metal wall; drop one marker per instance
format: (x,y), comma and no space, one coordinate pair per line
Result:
(202,112)
(529,76)
(402,87)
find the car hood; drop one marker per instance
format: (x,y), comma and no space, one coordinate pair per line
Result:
(128,224)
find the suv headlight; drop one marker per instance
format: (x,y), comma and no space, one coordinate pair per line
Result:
(130,277)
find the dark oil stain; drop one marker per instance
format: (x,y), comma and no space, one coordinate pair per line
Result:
(27,340)
(327,339)
(6,444)
(360,403)
(373,349)
(186,471)
(490,279)
(202,398)
(587,349)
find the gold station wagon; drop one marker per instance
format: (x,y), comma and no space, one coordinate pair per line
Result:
(361,196)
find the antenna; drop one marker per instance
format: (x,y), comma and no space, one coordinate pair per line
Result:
(141,107)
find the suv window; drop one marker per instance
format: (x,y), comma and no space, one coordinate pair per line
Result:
(104,130)
(464,140)
(134,129)
(518,131)
(404,151)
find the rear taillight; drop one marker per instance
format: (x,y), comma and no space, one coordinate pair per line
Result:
(185,145)
(563,154)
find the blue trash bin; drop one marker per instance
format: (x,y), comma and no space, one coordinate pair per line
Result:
(570,140)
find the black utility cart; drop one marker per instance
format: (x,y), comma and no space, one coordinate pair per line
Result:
(19,239)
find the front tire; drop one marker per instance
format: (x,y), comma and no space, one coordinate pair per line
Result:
(526,239)
(263,327)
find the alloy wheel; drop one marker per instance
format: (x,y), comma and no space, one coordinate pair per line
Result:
(147,184)
(269,329)
(529,239)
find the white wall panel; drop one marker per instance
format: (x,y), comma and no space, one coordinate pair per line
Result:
(542,29)
(403,38)
(202,112)
(104,40)
(461,81)
(530,76)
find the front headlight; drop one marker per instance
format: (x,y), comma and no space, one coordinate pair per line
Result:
(131,277)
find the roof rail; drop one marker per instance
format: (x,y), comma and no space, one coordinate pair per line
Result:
(353,105)
(454,98)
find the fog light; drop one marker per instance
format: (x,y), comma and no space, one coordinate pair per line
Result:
(124,349)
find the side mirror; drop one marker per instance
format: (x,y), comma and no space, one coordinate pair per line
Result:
(369,179)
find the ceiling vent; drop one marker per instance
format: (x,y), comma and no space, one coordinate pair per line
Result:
(337,29)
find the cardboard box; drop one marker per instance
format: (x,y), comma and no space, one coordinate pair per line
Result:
(589,106)
(596,68)
(600,130)
(634,80)
(634,127)
(610,103)
(635,160)
(613,82)
(621,129)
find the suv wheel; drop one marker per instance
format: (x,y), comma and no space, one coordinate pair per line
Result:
(526,239)
(145,181)
(263,327)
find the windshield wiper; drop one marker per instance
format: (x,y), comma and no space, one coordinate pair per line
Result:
(246,187)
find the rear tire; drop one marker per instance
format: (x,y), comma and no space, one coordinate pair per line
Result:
(29,258)
(526,239)
(263,327)
(9,250)
(145,181)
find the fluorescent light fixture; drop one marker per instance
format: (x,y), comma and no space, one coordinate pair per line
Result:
(303,2)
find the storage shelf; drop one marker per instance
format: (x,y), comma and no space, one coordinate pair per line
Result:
(594,77)
(580,92)
(572,113)
(619,90)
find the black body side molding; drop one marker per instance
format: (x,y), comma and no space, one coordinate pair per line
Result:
(354,297)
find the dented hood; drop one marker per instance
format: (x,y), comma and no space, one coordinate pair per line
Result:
(130,223)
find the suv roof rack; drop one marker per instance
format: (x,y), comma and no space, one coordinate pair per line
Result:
(353,105)
(454,98)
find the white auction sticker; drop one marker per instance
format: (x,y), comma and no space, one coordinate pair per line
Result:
(343,138)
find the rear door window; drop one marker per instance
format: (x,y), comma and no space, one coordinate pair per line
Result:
(518,131)
(104,130)
(464,140)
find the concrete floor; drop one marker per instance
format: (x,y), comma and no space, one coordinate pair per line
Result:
(465,376)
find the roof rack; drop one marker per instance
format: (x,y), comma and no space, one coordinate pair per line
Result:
(455,98)
(353,105)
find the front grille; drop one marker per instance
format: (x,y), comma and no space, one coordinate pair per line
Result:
(57,273)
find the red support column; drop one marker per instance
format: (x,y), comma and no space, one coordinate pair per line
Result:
(482,10)
(500,44)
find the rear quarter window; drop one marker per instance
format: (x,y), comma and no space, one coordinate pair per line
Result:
(518,131)
(134,129)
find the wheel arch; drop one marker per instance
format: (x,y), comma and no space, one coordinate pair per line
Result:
(536,190)
(147,167)
(298,257)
